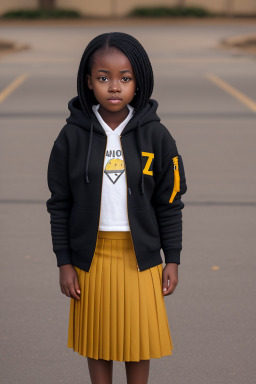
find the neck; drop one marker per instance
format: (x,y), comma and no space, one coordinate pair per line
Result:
(113,119)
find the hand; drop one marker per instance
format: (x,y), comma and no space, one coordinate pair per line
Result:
(69,281)
(170,272)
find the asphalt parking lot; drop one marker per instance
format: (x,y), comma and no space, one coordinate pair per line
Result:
(207,99)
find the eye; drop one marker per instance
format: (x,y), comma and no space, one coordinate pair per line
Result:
(126,79)
(101,78)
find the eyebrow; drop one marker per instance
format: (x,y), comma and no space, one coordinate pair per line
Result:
(103,70)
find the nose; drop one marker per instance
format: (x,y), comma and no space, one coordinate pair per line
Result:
(114,86)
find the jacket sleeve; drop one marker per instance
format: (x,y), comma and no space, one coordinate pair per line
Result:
(59,204)
(170,184)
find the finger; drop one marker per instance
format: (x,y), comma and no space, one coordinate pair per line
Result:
(164,282)
(76,284)
(66,290)
(171,288)
(73,292)
(63,290)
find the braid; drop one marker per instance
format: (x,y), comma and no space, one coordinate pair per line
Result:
(139,60)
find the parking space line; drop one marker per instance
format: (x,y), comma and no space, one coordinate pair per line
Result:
(11,87)
(232,91)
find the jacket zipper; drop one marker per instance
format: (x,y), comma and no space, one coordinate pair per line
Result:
(176,184)
(102,180)
(127,200)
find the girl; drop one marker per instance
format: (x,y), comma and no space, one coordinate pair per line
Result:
(116,180)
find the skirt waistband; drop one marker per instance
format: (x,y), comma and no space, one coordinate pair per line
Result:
(114,234)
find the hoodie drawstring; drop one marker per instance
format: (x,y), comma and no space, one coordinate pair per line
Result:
(88,155)
(140,155)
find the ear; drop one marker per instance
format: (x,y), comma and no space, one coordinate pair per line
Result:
(89,81)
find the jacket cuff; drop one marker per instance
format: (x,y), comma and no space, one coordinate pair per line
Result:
(63,257)
(172,256)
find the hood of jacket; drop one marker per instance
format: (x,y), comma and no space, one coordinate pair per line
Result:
(79,118)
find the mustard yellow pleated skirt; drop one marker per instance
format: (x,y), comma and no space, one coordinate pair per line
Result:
(121,314)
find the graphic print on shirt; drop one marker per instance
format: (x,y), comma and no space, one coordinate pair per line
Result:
(115,166)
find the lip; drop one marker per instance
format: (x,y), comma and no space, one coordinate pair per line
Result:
(114,101)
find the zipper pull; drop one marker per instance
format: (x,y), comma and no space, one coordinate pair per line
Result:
(129,190)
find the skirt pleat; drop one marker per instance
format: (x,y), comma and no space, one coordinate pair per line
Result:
(121,314)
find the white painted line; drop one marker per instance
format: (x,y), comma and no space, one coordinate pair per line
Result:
(249,103)
(11,87)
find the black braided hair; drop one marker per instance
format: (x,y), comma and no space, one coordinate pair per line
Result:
(139,60)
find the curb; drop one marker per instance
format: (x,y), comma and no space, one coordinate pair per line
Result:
(120,21)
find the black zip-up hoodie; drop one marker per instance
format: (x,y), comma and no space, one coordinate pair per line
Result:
(155,182)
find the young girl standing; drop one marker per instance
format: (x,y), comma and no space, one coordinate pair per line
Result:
(116,180)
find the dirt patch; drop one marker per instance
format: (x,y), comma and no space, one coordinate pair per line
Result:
(7,47)
(242,43)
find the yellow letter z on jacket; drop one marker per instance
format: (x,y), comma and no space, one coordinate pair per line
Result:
(155,182)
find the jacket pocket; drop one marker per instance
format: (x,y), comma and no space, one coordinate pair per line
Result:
(145,230)
(154,216)
(176,183)
(81,222)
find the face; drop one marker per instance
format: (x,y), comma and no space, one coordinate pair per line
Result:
(112,80)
